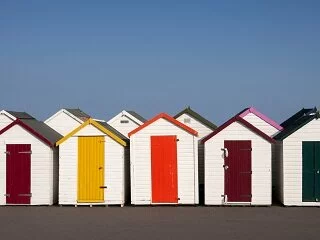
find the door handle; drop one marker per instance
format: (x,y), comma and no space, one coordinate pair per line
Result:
(225,167)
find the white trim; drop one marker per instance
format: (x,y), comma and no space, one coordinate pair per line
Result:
(125,113)
(4,112)
(66,112)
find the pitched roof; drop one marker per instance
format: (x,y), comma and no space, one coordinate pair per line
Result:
(246,111)
(78,113)
(197,116)
(296,117)
(116,132)
(297,121)
(37,128)
(20,115)
(169,119)
(98,125)
(137,116)
(243,122)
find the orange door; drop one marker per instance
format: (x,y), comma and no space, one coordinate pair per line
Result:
(164,169)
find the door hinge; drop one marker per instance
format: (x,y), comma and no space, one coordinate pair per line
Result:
(103,187)
(6,195)
(25,195)
(26,152)
(7,152)
(177,139)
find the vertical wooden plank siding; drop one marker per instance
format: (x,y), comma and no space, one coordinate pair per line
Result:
(90,169)
(18,176)
(164,169)
(238,171)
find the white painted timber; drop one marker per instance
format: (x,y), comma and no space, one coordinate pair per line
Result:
(292,163)
(261,165)
(262,125)
(4,121)
(203,131)
(140,163)
(44,164)
(63,123)
(115,164)
(123,124)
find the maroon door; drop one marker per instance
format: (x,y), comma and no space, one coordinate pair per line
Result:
(237,171)
(18,173)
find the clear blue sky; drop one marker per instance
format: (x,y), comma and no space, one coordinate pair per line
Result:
(160,56)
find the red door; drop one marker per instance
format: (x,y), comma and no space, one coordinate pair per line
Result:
(164,169)
(237,171)
(18,173)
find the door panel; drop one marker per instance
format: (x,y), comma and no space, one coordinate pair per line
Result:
(238,171)
(310,171)
(164,169)
(18,176)
(90,169)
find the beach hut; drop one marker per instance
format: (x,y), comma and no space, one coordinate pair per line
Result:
(7,117)
(164,162)
(238,165)
(66,119)
(94,168)
(298,159)
(204,127)
(29,163)
(126,121)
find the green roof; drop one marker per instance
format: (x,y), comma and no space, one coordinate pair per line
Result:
(297,121)
(197,116)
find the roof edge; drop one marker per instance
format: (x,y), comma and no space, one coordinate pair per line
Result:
(245,123)
(168,118)
(262,117)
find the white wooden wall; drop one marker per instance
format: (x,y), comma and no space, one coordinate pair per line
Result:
(261,165)
(140,153)
(123,128)
(262,125)
(292,163)
(203,131)
(42,167)
(4,121)
(63,123)
(114,170)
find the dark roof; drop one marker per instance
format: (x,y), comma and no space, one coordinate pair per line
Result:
(297,121)
(111,129)
(242,121)
(78,113)
(20,115)
(296,117)
(43,129)
(137,116)
(38,129)
(197,116)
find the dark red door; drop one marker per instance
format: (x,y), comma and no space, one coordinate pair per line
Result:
(238,171)
(164,169)
(18,173)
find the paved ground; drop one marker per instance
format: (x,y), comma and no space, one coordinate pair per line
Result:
(159,223)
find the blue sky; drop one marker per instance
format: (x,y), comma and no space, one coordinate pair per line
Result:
(160,56)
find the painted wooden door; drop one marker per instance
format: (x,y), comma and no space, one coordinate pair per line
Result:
(91,169)
(310,171)
(18,173)
(164,169)
(238,171)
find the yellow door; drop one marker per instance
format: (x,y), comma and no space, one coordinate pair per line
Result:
(90,169)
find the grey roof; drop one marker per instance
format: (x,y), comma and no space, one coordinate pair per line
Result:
(20,115)
(78,113)
(43,129)
(137,116)
(111,129)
